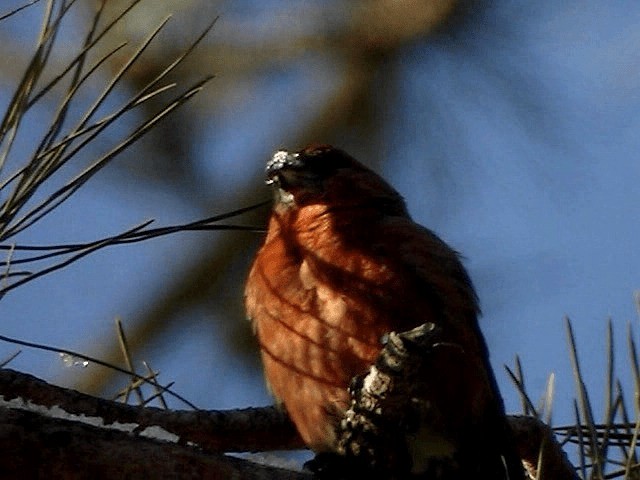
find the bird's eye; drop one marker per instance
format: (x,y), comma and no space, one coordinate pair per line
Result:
(323,161)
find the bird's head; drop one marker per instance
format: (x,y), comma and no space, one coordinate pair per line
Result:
(324,175)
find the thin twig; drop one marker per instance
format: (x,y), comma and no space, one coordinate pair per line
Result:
(97,361)
(585,403)
(136,234)
(159,394)
(528,404)
(10,13)
(124,347)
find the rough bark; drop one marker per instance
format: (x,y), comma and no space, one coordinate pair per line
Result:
(52,432)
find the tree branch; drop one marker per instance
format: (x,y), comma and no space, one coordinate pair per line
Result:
(52,431)
(35,446)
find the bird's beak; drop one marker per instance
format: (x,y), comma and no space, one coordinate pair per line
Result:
(281,159)
(286,169)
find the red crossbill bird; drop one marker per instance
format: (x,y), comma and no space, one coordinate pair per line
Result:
(342,265)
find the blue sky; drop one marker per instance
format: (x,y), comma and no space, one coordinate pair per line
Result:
(516,139)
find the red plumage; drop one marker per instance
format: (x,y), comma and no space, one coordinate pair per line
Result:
(343,264)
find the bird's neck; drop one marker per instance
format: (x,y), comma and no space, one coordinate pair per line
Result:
(319,226)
